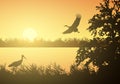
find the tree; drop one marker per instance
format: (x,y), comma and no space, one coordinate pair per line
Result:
(103,50)
(107,22)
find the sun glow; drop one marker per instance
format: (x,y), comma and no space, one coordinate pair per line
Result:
(29,34)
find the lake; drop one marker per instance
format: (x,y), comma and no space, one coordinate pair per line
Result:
(64,56)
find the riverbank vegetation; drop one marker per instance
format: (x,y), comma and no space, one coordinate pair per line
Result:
(51,74)
(42,43)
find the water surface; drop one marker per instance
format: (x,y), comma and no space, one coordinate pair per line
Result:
(39,56)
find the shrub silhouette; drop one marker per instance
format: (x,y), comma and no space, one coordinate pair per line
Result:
(32,74)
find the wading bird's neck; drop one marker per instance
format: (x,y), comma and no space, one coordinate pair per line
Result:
(22,58)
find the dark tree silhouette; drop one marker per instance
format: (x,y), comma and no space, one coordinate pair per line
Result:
(107,21)
(103,50)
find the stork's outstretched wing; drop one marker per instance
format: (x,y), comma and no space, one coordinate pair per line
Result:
(76,22)
(68,31)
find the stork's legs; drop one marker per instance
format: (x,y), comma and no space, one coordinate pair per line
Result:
(14,69)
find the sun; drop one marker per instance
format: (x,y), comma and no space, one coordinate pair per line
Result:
(29,34)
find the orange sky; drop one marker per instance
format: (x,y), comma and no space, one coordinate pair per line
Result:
(47,17)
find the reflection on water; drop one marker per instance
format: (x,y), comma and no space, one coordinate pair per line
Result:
(40,56)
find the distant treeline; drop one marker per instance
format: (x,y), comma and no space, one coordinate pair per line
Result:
(42,43)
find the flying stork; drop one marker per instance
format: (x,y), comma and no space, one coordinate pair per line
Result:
(73,27)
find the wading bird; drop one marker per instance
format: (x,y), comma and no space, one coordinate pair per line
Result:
(73,27)
(17,63)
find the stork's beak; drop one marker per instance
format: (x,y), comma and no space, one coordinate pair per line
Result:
(25,57)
